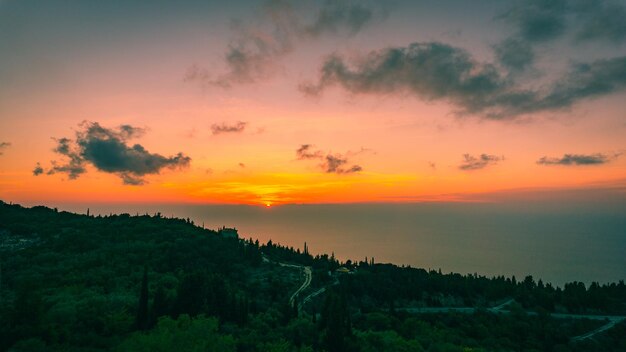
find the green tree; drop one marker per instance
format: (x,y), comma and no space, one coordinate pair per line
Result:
(143,319)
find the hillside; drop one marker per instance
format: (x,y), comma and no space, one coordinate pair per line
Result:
(145,282)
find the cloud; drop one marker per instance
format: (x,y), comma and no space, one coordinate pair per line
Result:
(336,16)
(431,70)
(338,164)
(544,20)
(38,170)
(514,54)
(4,145)
(602,20)
(306,152)
(223,127)
(586,80)
(436,71)
(242,165)
(577,159)
(471,162)
(331,162)
(107,150)
(540,21)
(537,20)
(256,52)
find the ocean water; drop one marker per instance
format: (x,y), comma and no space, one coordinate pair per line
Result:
(555,242)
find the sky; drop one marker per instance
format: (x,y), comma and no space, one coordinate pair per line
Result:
(291,102)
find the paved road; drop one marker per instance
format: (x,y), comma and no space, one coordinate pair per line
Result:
(612,319)
(307,281)
(612,322)
(308,276)
(312,295)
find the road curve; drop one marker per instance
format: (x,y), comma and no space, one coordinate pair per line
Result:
(612,319)
(308,276)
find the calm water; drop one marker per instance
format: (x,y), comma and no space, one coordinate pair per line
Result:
(580,242)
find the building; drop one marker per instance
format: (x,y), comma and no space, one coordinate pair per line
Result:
(227,232)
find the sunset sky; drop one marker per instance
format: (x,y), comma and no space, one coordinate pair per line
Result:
(282,102)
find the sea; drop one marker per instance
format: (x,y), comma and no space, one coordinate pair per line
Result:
(554,242)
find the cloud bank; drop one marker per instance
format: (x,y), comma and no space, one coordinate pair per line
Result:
(107,150)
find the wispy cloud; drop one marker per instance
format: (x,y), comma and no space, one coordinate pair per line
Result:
(540,21)
(471,162)
(306,151)
(256,52)
(544,20)
(38,170)
(107,150)
(223,127)
(4,145)
(514,54)
(337,16)
(578,159)
(331,162)
(338,164)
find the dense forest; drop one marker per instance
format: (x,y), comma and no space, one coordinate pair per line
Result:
(143,282)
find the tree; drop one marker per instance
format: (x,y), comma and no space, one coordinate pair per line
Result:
(143,319)
(336,323)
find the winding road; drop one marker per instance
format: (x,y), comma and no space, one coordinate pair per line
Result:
(612,319)
(308,275)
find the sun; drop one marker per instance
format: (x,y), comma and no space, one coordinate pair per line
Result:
(268,204)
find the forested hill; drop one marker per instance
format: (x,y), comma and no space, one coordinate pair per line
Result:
(71,282)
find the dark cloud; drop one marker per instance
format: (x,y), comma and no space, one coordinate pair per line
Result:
(585,80)
(331,162)
(223,127)
(306,152)
(337,16)
(543,20)
(577,159)
(4,145)
(602,20)
(437,71)
(431,70)
(538,20)
(38,170)
(515,54)
(338,164)
(107,150)
(256,51)
(471,162)
(242,165)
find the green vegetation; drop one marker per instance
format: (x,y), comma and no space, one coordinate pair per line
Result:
(147,283)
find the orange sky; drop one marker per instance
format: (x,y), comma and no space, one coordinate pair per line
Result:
(408,142)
